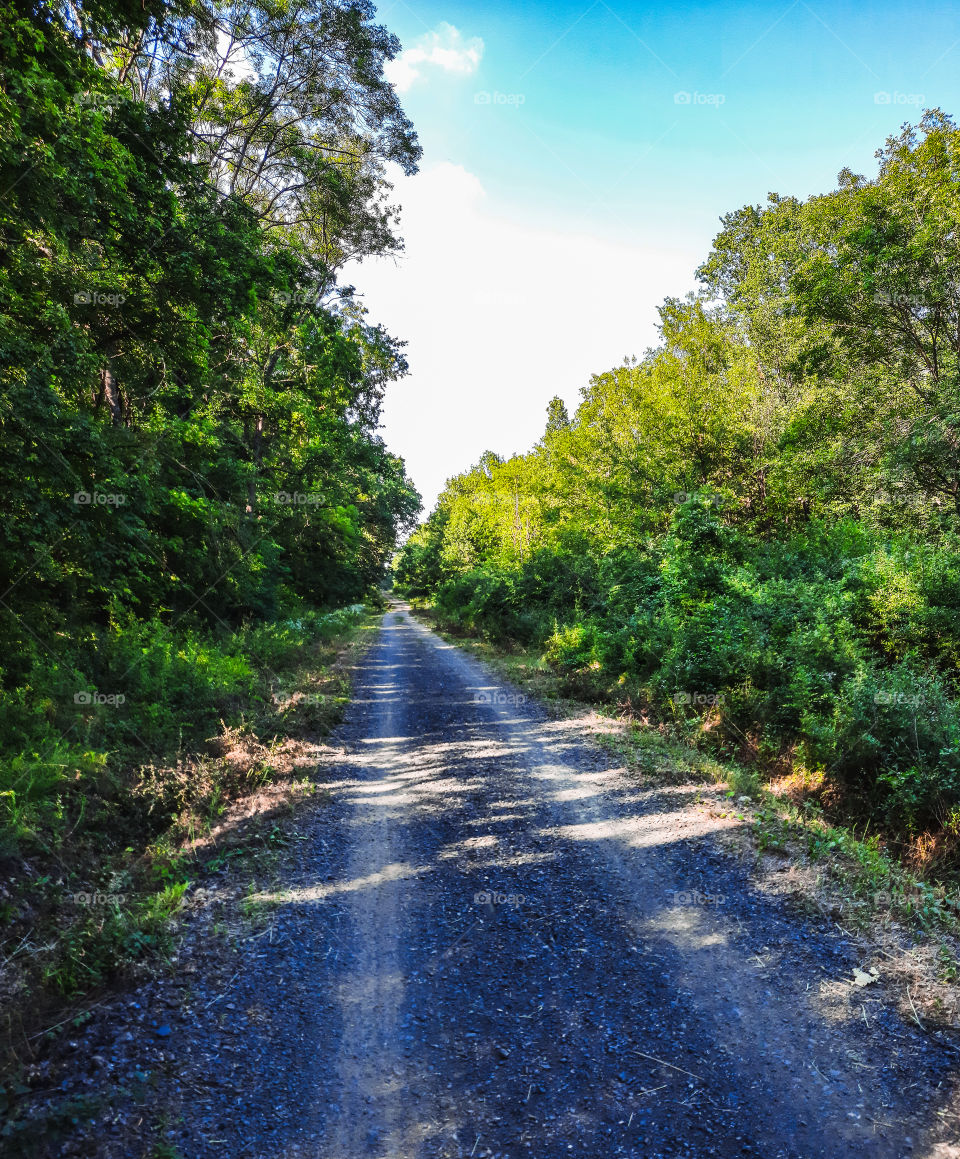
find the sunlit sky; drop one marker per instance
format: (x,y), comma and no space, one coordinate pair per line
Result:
(577,159)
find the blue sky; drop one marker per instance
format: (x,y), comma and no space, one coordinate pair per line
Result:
(577,159)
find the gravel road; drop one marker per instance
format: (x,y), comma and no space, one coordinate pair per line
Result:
(492,941)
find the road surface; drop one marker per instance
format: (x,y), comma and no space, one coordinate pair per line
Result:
(495,942)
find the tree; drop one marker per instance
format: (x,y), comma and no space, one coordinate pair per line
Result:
(172,332)
(557,417)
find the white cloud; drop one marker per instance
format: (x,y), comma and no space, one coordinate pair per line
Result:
(443,47)
(499,317)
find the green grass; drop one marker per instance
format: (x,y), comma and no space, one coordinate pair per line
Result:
(98,833)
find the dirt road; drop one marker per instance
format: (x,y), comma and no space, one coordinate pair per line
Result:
(494,942)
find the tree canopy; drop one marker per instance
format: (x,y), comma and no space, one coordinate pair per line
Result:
(764,509)
(189,400)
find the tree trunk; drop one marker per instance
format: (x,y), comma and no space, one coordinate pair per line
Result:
(110,392)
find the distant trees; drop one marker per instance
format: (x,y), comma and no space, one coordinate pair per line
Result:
(765,509)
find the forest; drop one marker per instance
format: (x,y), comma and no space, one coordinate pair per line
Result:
(189,402)
(750,533)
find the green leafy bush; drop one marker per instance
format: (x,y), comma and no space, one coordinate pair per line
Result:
(824,642)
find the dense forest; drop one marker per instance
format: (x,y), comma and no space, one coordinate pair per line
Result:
(751,532)
(189,404)
(216,926)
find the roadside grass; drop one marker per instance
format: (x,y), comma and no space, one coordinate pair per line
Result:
(855,882)
(92,883)
(856,879)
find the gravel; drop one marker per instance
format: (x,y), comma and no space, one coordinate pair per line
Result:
(492,941)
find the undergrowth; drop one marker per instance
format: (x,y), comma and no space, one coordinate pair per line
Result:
(103,799)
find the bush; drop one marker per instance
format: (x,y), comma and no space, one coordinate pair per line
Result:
(897,734)
(838,640)
(131,694)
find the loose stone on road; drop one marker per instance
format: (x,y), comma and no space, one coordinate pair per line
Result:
(492,941)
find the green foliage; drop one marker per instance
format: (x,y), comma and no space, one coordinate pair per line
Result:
(70,737)
(754,529)
(189,408)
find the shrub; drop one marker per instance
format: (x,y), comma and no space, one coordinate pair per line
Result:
(838,640)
